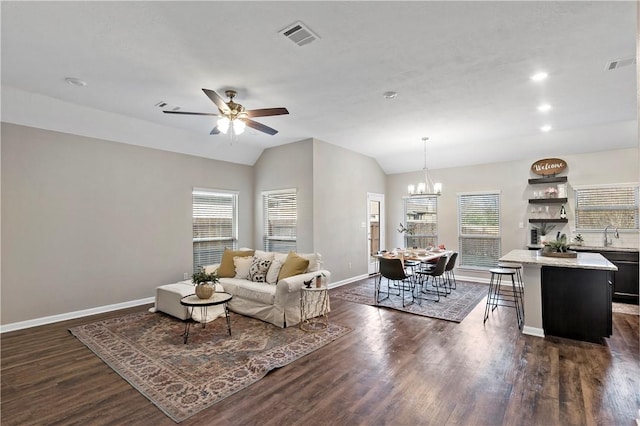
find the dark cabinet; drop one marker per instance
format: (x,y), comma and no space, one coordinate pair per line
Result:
(576,303)
(626,279)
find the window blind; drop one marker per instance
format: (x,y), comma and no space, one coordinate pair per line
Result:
(280,220)
(214,225)
(421,219)
(598,207)
(479,229)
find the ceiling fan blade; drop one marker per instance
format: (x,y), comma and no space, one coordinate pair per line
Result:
(215,131)
(259,126)
(217,99)
(264,112)
(190,113)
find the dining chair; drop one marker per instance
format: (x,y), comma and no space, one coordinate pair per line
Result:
(393,270)
(448,271)
(437,280)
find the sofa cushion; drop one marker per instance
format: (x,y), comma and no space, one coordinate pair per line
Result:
(249,290)
(274,271)
(294,265)
(258,270)
(314,261)
(268,255)
(227,268)
(242,266)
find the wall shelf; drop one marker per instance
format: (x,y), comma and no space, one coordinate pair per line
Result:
(553,179)
(547,200)
(548,220)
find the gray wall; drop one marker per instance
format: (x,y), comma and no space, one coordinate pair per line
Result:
(342,179)
(511,179)
(89,223)
(283,167)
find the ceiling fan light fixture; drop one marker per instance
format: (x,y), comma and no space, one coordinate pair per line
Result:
(223,124)
(238,127)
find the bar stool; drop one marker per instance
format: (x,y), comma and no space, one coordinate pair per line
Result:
(499,296)
(518,268)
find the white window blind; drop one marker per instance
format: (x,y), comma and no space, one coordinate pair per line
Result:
(479,229)
(280,220)
(598,207)
(214,225)
(421,219)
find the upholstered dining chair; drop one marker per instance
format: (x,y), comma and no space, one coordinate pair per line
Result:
(448,271)
(437,280)
(393,270)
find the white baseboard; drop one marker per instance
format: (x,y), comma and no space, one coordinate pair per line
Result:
(72,315)
(533,331)
(348,281)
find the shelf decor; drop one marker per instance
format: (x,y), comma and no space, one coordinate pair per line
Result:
(548,166)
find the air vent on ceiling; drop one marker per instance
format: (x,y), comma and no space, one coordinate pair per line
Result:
(299,33)
(619,63)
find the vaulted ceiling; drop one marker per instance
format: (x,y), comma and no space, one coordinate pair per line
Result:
(461,71)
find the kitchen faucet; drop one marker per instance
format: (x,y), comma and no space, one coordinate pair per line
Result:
(607,242)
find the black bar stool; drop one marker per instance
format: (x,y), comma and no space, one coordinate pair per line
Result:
(503,296)
(518,268)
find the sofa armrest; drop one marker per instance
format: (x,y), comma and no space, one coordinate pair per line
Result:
(295,283)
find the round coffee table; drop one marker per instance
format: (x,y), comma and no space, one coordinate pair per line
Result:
(193,301)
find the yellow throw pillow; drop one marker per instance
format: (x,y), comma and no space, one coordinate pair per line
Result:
(294,265)
(227,269)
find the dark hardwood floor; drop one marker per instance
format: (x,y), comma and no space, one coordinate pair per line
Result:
(394,369)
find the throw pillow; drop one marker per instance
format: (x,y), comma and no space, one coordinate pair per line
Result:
(294,265)
(227,268)
(274,271)
(264,254)
(242,266)
(314,261)
(258,270)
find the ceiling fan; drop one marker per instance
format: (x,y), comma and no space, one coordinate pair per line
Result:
(234,116)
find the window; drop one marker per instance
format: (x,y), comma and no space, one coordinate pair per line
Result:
(597,207)
(421,220)
(280,220)
(214,225)
(479,229)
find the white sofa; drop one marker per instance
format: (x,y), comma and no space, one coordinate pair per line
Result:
(276,301)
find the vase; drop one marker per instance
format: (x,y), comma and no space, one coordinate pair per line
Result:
(318,282)
(204,291)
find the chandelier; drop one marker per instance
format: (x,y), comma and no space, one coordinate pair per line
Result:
(427,186)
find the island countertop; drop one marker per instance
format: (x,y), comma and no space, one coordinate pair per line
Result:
(583,261)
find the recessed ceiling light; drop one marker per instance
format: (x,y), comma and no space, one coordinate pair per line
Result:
(545,128)
(390,94)
(544,107)
(539,76)
(75,81)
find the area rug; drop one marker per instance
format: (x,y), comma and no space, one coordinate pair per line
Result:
(455,307)
(148,351)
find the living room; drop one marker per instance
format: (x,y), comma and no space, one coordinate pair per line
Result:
(97,206)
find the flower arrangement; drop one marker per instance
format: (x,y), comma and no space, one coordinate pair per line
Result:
(551,192)
(403,230)
(201,277)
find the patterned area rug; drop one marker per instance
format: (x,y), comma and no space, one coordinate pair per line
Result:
(148,351)
(455,307)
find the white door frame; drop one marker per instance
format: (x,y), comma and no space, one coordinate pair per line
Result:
(373,197)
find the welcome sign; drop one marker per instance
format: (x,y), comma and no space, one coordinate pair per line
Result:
(548,166)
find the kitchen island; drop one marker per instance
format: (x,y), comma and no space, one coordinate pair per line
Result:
(566,297)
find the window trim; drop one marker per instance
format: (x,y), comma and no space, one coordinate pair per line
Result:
(235,196)
(265,237)
(462,236)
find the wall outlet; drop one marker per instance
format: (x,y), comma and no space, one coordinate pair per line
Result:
(185,276)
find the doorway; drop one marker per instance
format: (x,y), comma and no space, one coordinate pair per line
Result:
(375,229)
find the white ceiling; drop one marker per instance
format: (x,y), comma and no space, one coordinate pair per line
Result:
(461,70)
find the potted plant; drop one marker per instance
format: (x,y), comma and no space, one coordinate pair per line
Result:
(558,248)
(544,229)
(204,282)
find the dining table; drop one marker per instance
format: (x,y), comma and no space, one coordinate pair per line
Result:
(415,255)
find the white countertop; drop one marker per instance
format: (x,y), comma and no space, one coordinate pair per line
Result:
(583,261)
(592,248)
